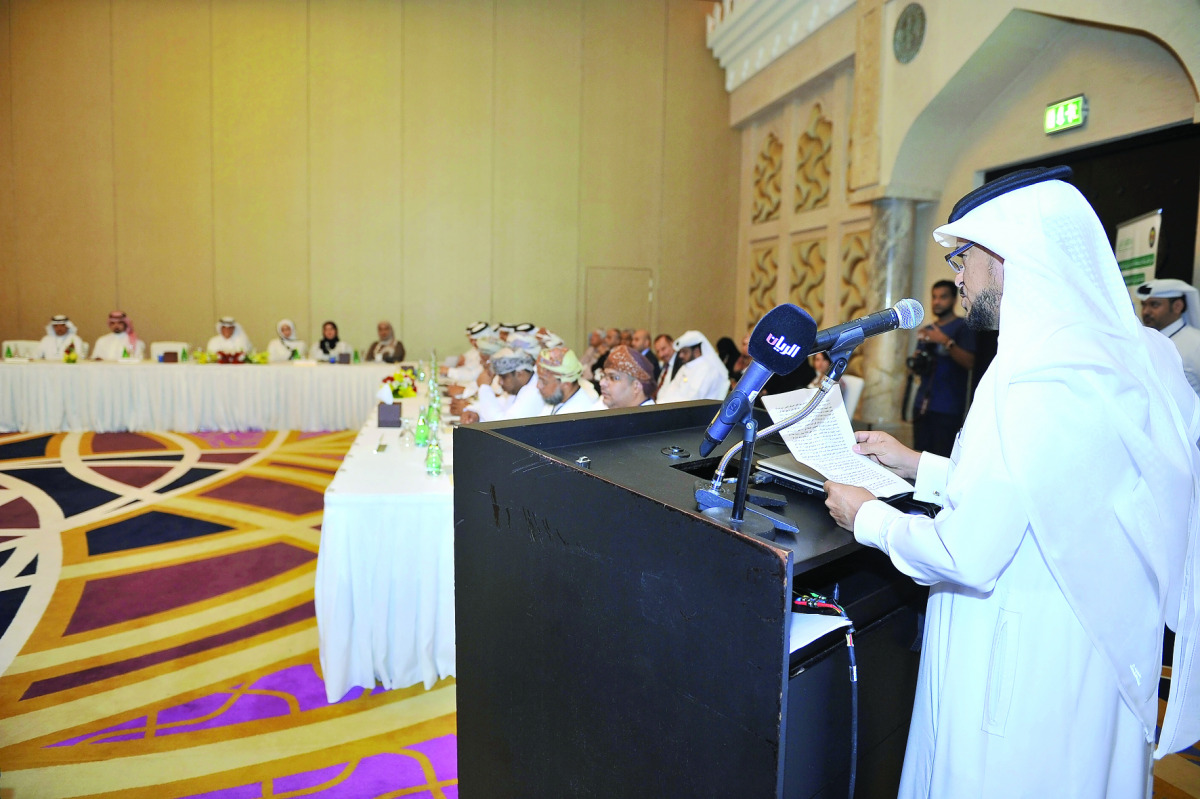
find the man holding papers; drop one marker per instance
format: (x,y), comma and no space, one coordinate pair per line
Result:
(1068,530)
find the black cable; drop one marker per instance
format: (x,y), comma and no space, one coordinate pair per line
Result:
(817,603)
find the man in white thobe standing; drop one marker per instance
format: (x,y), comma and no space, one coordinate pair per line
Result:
(1068,530)
(1172,307)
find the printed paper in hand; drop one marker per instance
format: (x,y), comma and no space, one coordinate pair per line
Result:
(823,442)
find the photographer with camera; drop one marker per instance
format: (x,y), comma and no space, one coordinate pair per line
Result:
(943,360)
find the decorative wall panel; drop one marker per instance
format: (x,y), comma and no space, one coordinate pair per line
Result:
(764,274)
(814,148)
(808,276)
(767,180)
(856,286)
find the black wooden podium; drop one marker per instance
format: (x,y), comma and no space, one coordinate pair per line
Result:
(614,642)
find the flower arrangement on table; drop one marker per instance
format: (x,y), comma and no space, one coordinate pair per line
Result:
(231,357)
(258,357)
(401,385)
(70,355)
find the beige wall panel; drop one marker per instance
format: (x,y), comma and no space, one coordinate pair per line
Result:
(536,192)
(10,305)
(447,163)
(162,148)
(260,166)
(698,275)
(62,154)
(1132,85)
(622,134)
(617,298)
(357,274)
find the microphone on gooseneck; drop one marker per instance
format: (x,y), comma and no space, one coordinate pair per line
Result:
(780,342)
(906,314)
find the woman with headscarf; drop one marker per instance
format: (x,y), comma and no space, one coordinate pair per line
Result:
(388,348)
(285,347)
(330,346)
(230,339)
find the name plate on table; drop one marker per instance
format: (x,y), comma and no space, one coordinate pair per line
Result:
(389,415)
(171,356)
(343,357)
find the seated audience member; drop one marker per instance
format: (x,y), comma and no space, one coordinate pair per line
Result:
(627,337)
(641,343)
(521,399)
(592,353)
(526,342)
(558,376)
(230,338)
(59,339)
(330,345)
(120,342)
(612,338)
(468,365)
(701,374)
(664,353)
(821,363)
(285,347)
(388,348)
(627,380)
(728,352)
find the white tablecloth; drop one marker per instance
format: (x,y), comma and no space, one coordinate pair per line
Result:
(385,570)
(44,396)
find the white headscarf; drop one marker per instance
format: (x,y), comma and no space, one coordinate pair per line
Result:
(693,337)
(1168,288)
(1094,431)
(279,330)
(239,336)
(61,319)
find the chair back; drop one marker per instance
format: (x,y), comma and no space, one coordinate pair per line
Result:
(158,348)
(19,347)
(851,390)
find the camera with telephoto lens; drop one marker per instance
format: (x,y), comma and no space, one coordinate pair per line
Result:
(921,363)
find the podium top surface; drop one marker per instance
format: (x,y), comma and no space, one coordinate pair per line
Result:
(654,452)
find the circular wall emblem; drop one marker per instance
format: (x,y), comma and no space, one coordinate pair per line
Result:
(909,33)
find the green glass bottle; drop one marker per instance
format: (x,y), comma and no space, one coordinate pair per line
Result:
(8,352)
(356,358)
(421,433)
(183,356)
(433,458)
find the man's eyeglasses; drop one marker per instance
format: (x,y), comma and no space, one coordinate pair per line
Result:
(955,259)
(611,375)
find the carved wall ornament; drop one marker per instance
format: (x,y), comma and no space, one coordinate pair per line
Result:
(767,180)
(808,276)
(764,274)
(854,296)
(814,157)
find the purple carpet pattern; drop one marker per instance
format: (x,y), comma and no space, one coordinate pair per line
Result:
(157,629)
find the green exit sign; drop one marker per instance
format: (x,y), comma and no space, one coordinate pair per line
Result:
(1067,114)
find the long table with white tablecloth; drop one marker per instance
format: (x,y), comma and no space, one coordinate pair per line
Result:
(48,396)
(385,570)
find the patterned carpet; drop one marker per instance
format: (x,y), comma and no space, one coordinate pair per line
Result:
(157,636)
